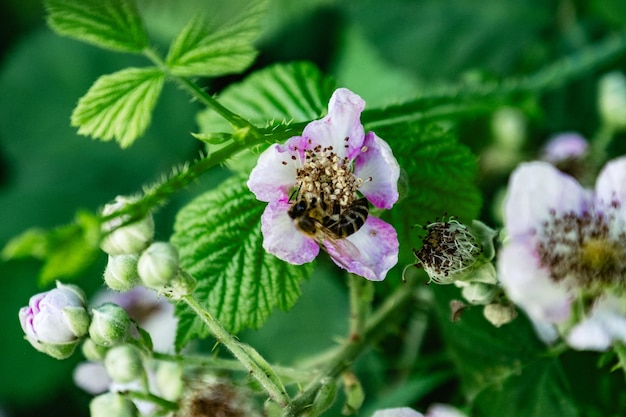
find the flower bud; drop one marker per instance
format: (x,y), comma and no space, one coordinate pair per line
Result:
(478,293)
(169,379)
(110,325)
(128,239)
(54,321)
(124,364)
(158,264)
(612,100)
(92,351)
(499,314)
(121,272)
(112,404)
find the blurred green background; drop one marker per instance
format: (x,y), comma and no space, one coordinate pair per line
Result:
(384,50)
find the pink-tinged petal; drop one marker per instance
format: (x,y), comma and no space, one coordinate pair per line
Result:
(605,325)
(370,252)
(377,166)
(535,190)
(275,172)
(281,237)
(341,122)
(611,186)
(565,146)
(397,412)
(530,286)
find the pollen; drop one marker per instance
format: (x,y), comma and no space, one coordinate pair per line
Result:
(325,176)
(583,251)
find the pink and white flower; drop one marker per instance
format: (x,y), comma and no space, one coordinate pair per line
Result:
(326,166)
(565,262)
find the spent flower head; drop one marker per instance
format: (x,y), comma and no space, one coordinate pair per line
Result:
(453,252)
(565,261)
(54,321)
(319,187)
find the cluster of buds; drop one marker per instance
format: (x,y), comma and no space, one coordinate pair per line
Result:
(135,259)
(455,253)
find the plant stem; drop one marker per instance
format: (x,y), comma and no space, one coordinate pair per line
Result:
(374,329)
(360,299)
(155,399)
(252,361)
(221,364)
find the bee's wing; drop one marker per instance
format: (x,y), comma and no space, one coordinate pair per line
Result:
(342,247)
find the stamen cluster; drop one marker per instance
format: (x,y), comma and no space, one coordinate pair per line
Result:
(325,175)
(583,250)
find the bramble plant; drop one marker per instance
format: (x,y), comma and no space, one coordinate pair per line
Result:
(388,194)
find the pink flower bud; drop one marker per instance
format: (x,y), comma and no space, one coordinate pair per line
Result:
(55,320)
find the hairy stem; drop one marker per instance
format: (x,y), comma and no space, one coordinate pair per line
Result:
(249,358)
(375,327)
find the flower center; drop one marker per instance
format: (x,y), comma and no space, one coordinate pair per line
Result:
(326,177)
(583,251)
(448,249)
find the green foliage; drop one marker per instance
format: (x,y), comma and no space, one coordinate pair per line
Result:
(278,97)
(66,250)
(439,177)
(220,242)
(209,47)
(119,105)
(112,24)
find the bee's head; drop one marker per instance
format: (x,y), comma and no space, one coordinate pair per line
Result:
(298,209)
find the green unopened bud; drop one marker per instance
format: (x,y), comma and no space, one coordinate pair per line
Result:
(509,129)
(112,404)
(612,100)
(499,314)
(452,252)
(92,351)
(169,378)
(121,272)
(124,364)
(158,265)
(478,293)
(128,239)
(325,396)
(110,325)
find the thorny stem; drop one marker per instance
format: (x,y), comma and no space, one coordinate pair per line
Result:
(375,327)
(253,363)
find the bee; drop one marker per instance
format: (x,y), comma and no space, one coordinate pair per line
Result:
(314,219)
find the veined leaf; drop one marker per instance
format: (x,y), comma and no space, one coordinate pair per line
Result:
(283,93)
(119,105)
(112,24)
(208,48)
(220,243)
(439,177)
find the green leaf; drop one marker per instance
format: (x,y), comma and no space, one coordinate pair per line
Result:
(210,47)
(282,93)
(539,389)
(439,177)
(112,24)
(220,242)
(66,250)
(119,105)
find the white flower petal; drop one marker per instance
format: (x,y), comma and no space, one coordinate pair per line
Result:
(530,286)
(443,410)
(605,324)
(397,412)
(370,252)
(281,237)
(341,122)
(376,161)
(611,186)
(536,189)
(275,172)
